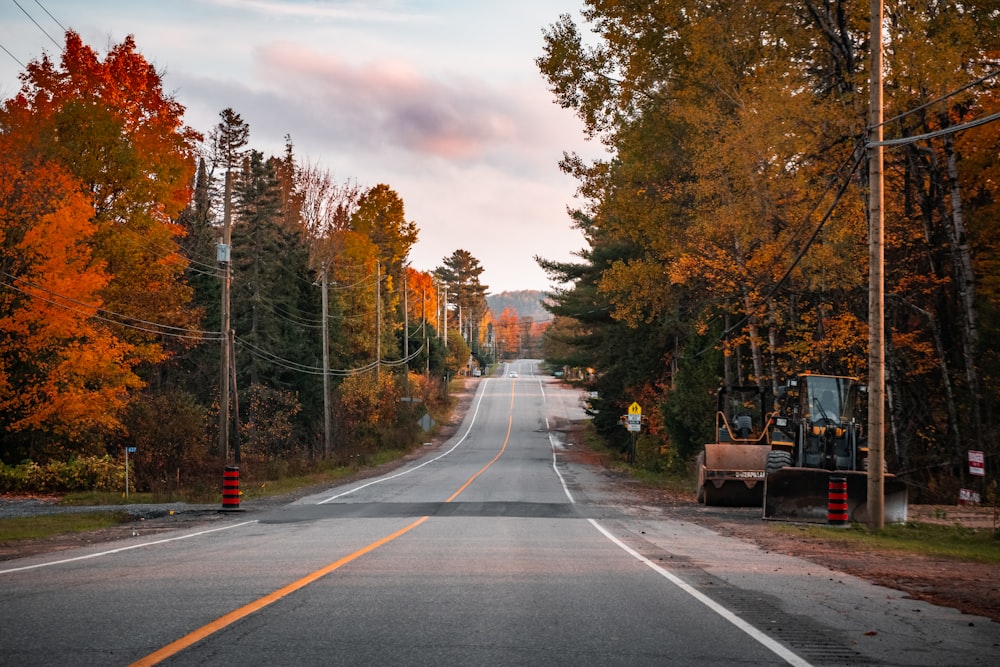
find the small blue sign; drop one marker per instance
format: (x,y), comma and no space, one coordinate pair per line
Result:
(130,450)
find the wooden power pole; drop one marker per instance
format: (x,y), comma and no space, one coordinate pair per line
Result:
(876,283)
(224,257)
(327,447)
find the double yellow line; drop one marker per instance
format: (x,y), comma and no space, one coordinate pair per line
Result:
(208,629)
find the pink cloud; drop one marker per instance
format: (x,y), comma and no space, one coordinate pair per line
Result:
(390,102)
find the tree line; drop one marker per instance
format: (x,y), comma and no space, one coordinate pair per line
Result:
(119,226)
(727,229)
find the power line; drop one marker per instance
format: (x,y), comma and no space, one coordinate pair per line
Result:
(936,133)
(944,97)
(295,366)
(859,158)
(5,50)
(106,319)
(38,2)
(109,315)
(37,25)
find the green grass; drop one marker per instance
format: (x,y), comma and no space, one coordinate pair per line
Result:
(955,542)
(88,498)
(29,528)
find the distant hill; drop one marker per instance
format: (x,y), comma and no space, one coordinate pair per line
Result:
(526,303)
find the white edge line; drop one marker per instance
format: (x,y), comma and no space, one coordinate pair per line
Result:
(479,402)
(777,648)
(552,442)
(128,548)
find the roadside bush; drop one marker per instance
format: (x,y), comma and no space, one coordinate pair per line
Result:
(169,431)
(85,473)
(267,433)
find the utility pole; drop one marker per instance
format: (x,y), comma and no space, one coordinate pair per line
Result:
(378,320)
(406,337)
(326,367)
(236,396)
(423,325)
(876,283)
(223,257)
(445,318)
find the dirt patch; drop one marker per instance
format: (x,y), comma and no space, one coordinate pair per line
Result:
(973,588)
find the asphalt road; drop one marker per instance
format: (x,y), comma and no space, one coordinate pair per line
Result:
(494,549)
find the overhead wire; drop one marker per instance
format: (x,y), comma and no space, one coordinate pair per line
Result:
(316,370)
(903,141)
(858,158)
(37,24)
(15,58)
(95,312)
(38,2)
(944,97)
(192,265)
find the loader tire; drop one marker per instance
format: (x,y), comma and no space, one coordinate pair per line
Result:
(777,459)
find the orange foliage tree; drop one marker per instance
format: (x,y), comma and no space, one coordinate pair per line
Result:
(64,376)
(110,124)
(96,166)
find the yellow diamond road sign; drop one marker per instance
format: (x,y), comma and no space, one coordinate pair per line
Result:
(634,409)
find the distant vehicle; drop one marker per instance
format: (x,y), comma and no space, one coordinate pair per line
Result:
(476,372)
(512,374)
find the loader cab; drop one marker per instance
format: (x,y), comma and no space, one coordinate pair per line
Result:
(827,400)
(822,416)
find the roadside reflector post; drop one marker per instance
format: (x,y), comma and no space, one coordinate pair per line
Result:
(231,488)
(836,507)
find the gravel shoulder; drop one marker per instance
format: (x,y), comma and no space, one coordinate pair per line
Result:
(973,588)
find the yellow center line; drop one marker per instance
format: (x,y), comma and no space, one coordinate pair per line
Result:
(211,628)
(510,423)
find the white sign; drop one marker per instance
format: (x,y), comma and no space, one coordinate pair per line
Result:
(977,463)
(634,422)
(968,496)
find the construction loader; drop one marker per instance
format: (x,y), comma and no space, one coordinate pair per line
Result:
(818,431)
(731,470)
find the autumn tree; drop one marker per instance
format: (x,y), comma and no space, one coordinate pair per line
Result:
(110,124)
(107,147)
(381,216)
(64,373)
(460,271)
(731,214)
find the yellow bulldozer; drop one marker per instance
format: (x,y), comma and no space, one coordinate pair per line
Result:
(731,470)
(818,431)
(781,456)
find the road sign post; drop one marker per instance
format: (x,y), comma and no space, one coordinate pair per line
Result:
(128,450)
(634,426)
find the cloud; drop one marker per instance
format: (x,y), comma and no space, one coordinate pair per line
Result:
(360,10)
(389,104)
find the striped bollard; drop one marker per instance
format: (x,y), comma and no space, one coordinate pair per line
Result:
(836,507)
(231,488)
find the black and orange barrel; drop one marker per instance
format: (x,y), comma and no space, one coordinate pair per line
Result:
(836,508)
(231,488)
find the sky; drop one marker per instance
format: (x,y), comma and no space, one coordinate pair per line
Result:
(439,99)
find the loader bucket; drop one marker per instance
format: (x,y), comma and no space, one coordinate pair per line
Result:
(733,475)
(802,494)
